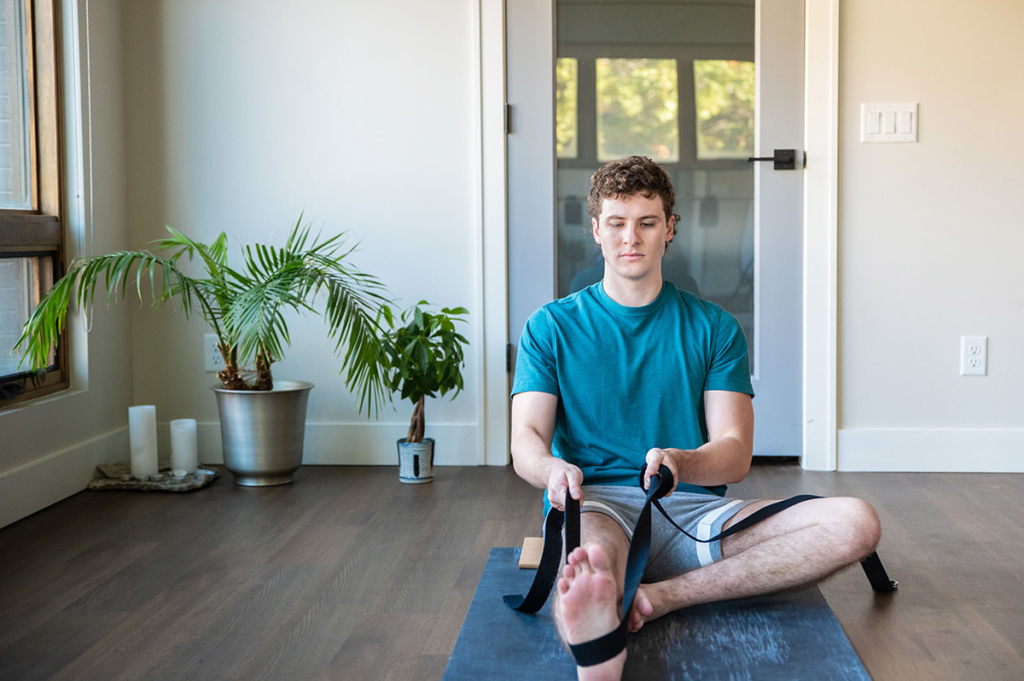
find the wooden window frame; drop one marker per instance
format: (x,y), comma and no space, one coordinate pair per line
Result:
(40,231)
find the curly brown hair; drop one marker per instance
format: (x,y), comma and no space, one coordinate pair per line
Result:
(627,177)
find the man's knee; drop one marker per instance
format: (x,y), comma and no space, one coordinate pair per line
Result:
(857,522)
(597,528)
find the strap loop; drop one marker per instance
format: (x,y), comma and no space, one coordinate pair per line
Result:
(547,571)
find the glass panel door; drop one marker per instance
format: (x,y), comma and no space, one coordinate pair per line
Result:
(675,81)
(685,98)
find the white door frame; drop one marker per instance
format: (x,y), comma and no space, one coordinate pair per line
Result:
(821,219)
(494,232)
(821,183)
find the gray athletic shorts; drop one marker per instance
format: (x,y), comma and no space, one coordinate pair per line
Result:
(672,552)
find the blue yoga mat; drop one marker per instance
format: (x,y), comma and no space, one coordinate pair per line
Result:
(784,637)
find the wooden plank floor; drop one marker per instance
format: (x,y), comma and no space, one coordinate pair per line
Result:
(348,574)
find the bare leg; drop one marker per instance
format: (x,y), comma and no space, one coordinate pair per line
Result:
(588,599)
(793,549)
(588,607)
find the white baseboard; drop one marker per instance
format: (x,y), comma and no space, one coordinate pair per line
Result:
(361,444)
(45,481)
(932,450)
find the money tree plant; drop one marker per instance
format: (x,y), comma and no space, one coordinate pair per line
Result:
(424,356)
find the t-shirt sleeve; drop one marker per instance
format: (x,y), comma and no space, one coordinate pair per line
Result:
(730,368)
(535,361)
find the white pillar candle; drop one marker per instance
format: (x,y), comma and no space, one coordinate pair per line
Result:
(142,434)
(184,452)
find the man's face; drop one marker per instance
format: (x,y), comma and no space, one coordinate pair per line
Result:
(632,232)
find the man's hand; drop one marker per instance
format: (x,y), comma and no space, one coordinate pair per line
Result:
(564,476)
(656,458)
(533,427)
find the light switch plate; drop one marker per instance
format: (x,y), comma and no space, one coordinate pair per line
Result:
(888,122)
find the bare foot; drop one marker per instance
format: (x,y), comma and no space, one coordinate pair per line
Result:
(588,605)
(646,607)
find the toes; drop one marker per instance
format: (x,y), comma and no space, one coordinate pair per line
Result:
(641,610)
(643,604)
(598,558)
(576,556)
(579,562)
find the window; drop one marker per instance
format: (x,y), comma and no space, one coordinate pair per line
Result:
(15,156)
(724,94)
(566,121)
(637,109)
(31,234)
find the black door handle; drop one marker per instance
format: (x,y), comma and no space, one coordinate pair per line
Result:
(784,159)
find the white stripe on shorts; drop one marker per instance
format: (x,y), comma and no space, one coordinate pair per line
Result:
(704,532)
(609,511)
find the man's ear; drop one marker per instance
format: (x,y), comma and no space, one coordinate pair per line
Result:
(594,231)
(671,229)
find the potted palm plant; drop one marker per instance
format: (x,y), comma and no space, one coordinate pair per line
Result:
(423,357)
(262,421)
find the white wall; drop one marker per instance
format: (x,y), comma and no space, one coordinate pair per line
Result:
(49,448)
(238,115)
(931,238)
(243,114)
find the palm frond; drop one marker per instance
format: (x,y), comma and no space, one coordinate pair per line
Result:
(246,306)
(42,331)
(292,277)
(214,256)
(352,322)
(255,322)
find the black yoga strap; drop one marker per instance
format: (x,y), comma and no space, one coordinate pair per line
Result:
(879,579)
(611,644)
(551,556)
(608,646)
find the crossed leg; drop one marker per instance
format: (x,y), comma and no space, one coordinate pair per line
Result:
(793,549)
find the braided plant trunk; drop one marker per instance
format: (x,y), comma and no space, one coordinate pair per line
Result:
(417,424)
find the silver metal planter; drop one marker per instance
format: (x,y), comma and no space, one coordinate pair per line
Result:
(416,461)
(262,432)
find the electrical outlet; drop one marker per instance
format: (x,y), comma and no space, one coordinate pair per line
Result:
(212,358)
(973,355)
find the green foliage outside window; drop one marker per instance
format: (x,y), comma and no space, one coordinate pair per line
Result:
(566,121)
(724,92)
(637,109)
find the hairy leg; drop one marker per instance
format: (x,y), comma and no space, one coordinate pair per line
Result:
(795,548)
(588,607)
(587,602)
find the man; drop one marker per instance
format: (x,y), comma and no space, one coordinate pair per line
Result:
(632,370)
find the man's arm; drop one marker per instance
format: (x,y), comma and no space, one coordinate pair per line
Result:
(533,428)
(726,456)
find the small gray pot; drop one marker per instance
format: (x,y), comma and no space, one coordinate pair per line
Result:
(416,461)
(262,432)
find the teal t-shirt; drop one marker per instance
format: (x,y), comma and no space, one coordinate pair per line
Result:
(630,378)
